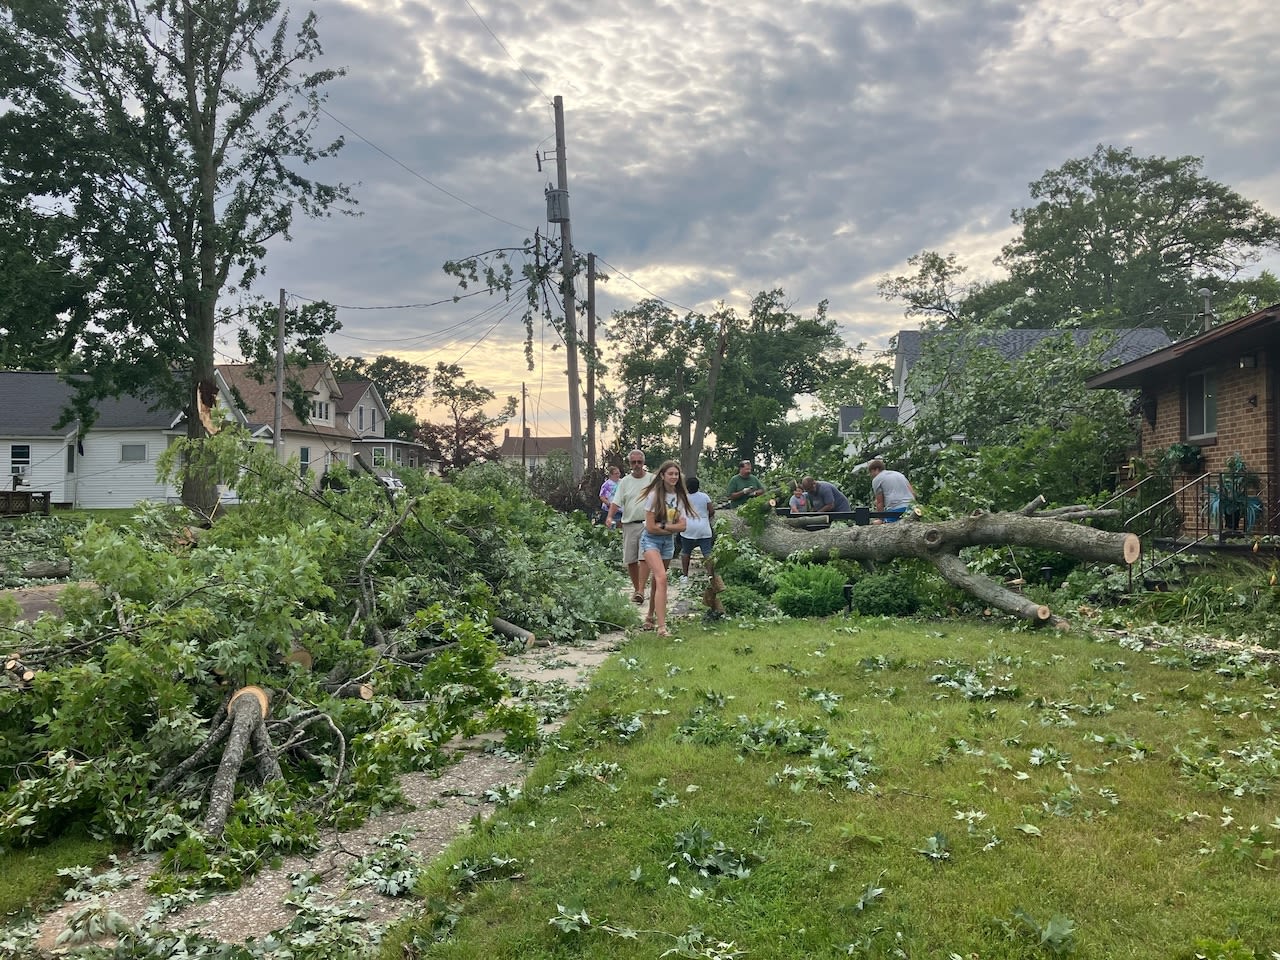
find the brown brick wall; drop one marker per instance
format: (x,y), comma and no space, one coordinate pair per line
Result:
(1243,427)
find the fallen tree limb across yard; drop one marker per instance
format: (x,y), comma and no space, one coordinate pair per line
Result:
(940,542)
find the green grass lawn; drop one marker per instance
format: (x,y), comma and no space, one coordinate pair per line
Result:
(29,877)
(875,788)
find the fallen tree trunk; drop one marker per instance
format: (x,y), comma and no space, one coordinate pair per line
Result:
(940,543)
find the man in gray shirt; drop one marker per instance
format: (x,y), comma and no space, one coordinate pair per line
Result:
(893,491)
(825,497)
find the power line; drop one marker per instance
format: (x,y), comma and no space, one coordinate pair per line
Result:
(506,51)
(642,286)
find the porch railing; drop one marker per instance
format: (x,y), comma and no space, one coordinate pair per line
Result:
(1176,514)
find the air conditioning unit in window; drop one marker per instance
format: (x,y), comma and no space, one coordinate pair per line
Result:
(18,469)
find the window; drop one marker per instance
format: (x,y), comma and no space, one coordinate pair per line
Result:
(133,453)
(379,456)
(360,417)
(320,410)
(71,458)
(304,460)
(19,459)
(1202,405)
(399,457)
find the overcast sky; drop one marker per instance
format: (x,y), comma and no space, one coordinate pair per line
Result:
(720,147)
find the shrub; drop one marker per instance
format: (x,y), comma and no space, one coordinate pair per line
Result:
(885,595)
(809,591)
(742,601)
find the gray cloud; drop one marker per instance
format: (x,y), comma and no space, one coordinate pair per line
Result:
(726,146)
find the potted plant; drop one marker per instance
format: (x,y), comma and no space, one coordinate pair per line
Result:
(1186,457)
(1233,498)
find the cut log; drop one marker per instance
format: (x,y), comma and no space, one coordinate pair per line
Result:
(941,541)
(247,709)
(509,629)
(47,570)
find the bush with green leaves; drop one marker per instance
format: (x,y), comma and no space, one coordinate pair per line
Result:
(133,675)
(885,595)
(809,590)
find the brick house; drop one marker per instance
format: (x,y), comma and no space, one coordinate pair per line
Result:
(1219,391)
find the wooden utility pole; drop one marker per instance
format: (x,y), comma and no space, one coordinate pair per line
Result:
(592,445)
(277,424)
(570,317)
(524,430)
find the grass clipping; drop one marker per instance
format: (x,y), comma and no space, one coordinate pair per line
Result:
(877,788)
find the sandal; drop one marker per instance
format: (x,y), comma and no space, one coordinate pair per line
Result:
(637,598)
(648,624)
(664,632)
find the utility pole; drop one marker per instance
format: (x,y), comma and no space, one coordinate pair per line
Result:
(592,445)
(524,430)
(277,424)
(570,317)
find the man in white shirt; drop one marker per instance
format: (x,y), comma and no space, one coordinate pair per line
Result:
(893,490)
(628,503)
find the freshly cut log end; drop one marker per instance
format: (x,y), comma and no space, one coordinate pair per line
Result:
(263,698)
(1131,548)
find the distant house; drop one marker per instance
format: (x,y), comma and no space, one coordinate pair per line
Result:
(112,465)
(1219,391)
(533,451)
(1013,345)
(362,410)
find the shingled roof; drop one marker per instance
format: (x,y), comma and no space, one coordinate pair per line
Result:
(1129,345)
(31,403)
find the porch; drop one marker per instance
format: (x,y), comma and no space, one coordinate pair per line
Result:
(1221,512)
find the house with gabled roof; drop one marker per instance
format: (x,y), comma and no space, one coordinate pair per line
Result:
(111,464)
(533,451)
(363,411)
(1219,391)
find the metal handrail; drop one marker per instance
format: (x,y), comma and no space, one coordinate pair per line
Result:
(1173,495)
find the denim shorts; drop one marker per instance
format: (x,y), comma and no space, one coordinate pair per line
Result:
(703,543)
(665,544)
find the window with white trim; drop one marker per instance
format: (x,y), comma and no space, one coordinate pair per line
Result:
(379,456)
(360,417)
(133,453)
(320,410)
(71,458)
(304,460)
(19,459)
(1202,405)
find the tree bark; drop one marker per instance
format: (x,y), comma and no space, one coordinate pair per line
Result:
(941,541)
(248,712)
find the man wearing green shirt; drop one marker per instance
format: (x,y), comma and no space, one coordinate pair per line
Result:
(744,486)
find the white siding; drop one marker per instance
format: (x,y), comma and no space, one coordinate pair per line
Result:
(103,480)
(48,467)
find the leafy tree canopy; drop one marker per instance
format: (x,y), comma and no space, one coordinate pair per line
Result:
(1111,240)
(172,137)
(466,435)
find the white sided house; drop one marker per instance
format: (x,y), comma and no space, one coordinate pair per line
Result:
(112,465)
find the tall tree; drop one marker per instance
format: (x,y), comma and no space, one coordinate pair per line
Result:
(42,294)
(771,359)
(467,434)
(1115,239)
(670,368)
(174,134)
